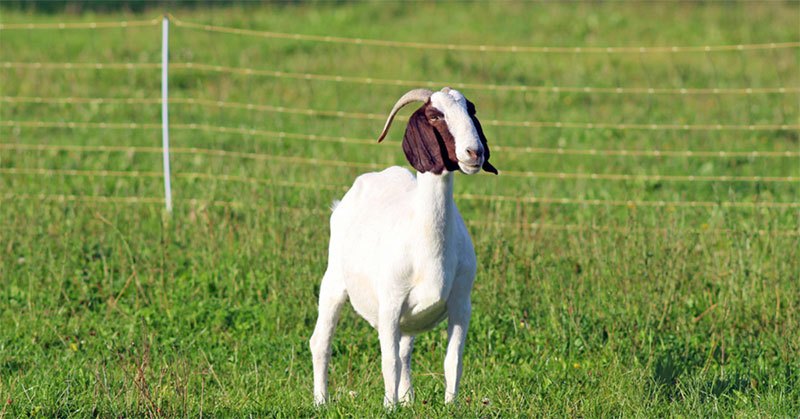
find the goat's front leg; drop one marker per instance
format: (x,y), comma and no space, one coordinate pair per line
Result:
(457,325)
(389,334)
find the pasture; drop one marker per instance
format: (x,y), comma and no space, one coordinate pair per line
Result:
(628,265)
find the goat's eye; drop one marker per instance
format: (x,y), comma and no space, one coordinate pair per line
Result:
(435,118)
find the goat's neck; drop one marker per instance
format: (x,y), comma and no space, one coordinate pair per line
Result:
(434,204)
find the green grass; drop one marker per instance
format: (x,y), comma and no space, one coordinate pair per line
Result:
(113,309)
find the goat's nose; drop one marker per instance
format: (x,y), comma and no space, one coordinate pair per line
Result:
(473,154)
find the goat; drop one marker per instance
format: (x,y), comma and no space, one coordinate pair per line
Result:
(399,248)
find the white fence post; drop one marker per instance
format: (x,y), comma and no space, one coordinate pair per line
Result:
(164,111)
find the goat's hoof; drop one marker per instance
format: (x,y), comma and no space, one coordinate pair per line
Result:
(407,400)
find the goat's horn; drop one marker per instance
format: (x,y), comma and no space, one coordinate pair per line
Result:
(421,95)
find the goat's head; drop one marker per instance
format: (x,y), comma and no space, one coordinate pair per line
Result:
(443,134)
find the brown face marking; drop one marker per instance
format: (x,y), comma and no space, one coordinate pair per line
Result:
(428,145)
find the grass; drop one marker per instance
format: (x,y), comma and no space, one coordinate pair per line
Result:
(111,309)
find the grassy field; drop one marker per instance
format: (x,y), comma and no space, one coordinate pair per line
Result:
(111,308)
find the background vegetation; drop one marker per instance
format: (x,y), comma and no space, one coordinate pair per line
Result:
(111,308)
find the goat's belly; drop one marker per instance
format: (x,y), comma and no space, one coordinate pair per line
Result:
(422,317)
(365,304)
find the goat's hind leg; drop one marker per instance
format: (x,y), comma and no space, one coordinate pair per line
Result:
(457,326)
(332,296)
(406,390)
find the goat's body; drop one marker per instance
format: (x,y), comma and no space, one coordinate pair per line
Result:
(399,249)
(374,214)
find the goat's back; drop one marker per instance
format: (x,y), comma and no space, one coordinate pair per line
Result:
(373,199)
(371,214)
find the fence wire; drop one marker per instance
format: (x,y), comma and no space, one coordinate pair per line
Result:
(79,66)
(469,197)
(365,165)
(282,135)
(484,86)
(401,44)
(201,203)
(81,25)
(482,48)
(409,83)
(381,117)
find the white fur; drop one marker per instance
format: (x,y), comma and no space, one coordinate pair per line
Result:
(454,107)
(400,251)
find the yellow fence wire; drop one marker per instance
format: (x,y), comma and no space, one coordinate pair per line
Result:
(281,135)
(400,44)
(79,66)
(518,226)
(81,25)
(362,165)
(406,83)
(482,86)
(381,117)
(481,48)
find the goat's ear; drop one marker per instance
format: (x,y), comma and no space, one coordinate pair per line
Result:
(486,165)
(423,145)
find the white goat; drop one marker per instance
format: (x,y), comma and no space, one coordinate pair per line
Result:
(399,248)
